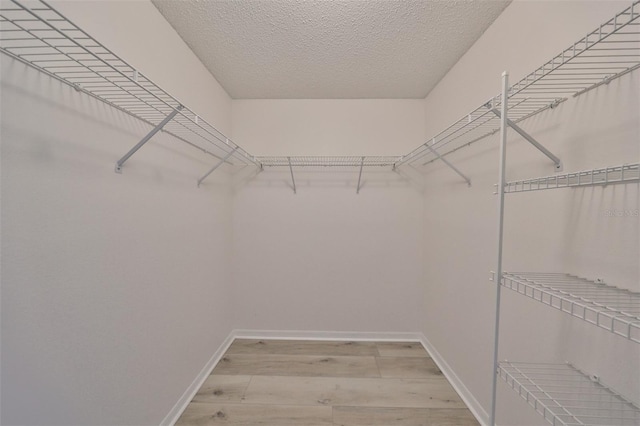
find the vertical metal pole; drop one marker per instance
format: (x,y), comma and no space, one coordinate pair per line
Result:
(360,175)
(292,178)
(498,274)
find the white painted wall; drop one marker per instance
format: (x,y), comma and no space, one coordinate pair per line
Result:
(115,288)
(561,231)
(326,258)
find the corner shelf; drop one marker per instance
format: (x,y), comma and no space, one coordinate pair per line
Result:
(564,395)
(605,176)
(611,308)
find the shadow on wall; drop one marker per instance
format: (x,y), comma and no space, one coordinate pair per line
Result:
(91,117)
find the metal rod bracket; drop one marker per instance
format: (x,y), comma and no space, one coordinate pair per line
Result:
(293,180)
(218,164)
(445,161)
(360,175)
(144,140)
(532,141)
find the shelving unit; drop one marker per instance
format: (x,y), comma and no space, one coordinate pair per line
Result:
(608,175)
(36,34)
(561,393)
(315,163)
(564,395)
(614,309)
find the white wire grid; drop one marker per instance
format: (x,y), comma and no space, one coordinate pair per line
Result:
(605,176)
(327,161)
(611,308)
(566,396)
(608,52)
(38,35)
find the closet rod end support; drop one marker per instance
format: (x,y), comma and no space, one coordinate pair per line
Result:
(118,168)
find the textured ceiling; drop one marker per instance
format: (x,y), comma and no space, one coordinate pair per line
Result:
(329,49)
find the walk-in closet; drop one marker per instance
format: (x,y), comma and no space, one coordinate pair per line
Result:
(338,213)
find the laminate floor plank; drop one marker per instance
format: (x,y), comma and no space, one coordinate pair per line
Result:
(425,393)
(301,347)
(217,388)
(407,367)
(326,383)
(298,365)
(409,349)
(206,414)
(384,416)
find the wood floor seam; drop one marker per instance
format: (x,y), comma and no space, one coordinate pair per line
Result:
(330,383)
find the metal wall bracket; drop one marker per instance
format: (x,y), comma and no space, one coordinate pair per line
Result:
(532,141)
(360,175)
(218,164)
(444,160)
(293,180)
(144,140)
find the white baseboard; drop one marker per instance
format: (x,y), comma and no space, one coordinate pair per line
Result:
(468,398)
(388,336)
(177,410)
(458,385)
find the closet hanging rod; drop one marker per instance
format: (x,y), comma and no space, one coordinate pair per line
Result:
(38,35)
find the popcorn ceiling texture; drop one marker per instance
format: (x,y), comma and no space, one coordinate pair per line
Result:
(329,49)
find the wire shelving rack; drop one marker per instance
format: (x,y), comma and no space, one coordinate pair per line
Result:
(328,161)
(606,53)
(611,308)
(602,176)
(36,34)
(564,395)
(610,51)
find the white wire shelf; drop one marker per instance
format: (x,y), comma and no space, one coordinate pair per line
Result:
(608,52)
(564,395)
(605,176)
(611,308)
(36,34)
(328,161)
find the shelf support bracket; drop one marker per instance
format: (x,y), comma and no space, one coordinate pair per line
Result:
(144,140)
(218,164)
(360,175)
(445,161)
(293,180)
(532,141)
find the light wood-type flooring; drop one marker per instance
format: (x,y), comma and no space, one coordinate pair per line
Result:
(313,383)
